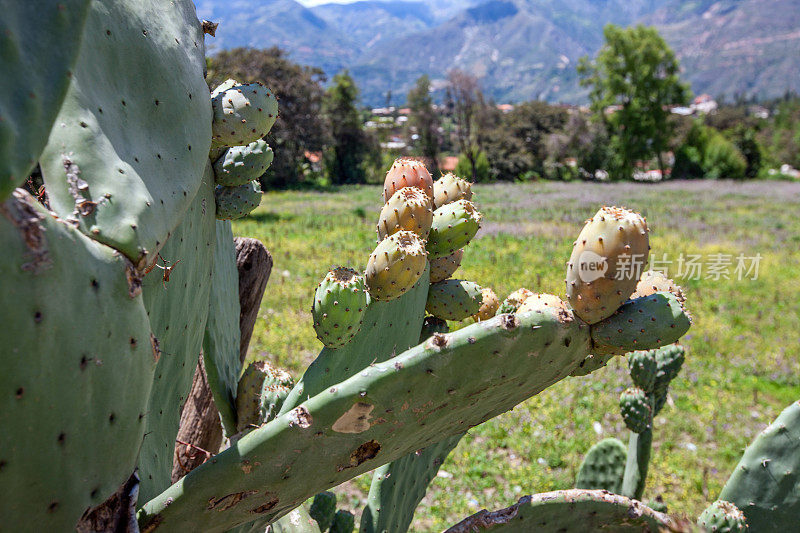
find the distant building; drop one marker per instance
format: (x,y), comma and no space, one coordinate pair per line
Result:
(704,104)
(505,108)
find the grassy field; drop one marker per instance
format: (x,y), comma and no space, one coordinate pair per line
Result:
(743,360)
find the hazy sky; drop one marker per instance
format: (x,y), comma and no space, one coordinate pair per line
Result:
(317,2)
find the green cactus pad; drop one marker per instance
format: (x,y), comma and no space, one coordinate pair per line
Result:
(39,43)
(78,362)
(568,511)
(643,368)
(352,427)
(766,483)
(450,188)
(603,466)
(234,203)
(722,517)
(248,395)
(640,446)
(432,325)
(398,487)
(340,303)
(242,113)
(453,226)
(222,337)
(454,299)
(132,137)
(636,410)
(643,324)
(395,265)
(277,385)
(323,509)
(178,311)
(298,521)
(343,522)
(241,164)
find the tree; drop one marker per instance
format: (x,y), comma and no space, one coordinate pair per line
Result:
(633,82)
(351,147)
(465,101)
(424,120)
(300,127)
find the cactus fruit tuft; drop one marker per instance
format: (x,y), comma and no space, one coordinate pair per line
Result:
(343,522)
(722,517)
(242,113)
(643,368)
(340,302)
(603,466)
(445,266)
(235,202)
(408,209)
(450,188)
(240,164)
(407,173)
(454,299)
(490,303)
(607,259)
(636,410)
(395,265)
(514,300)
(323,509)
(454,225)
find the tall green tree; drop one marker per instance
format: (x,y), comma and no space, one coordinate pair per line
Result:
(350,148)
(300,127)
(467,105)
(424,121)
(633,81)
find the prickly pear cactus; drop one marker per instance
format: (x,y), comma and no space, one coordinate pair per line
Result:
(722,517)
(240,165)
(323,509)
(340,303)
(603,467)
(637,413)
(450,188)
(454,299)
(408,209)
(643,368)
(396,265)
(453,226)
(343,522)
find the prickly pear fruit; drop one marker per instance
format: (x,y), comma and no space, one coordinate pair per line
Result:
(235,202)
(490,303)
(637,413)
(277,386)
(242,113)
(514,300)
(408,209)
(445,266)
(252,409)
(603,467)
(241,164)
(323,509)
(395,265)
(669,360)
(722,517)
(454,225)
(643,324)
(343,522)
(339,306)
(432,325)
(652,282)
(643,368)
(539,301)
(450,188)
(407,173)
(606,262)
(454,299)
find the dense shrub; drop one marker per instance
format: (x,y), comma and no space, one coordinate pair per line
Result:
(706,153)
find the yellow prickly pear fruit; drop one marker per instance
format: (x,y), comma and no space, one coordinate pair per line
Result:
(514,300)
(407,173)
(607,260)
(539,301)
(489,305)
(450,188)
(652,282)
(445,266)
(408,209)
(396,265)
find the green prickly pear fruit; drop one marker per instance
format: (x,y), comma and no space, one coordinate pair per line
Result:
(432,325)
(643,368)
(669,361)
(454,299)
(454,225)
(514,300)
(539,301)
(340,302)
(408,209)
(490,303)
(277,386)
(395,265)
(450,188)
(637,413)
(240,164)
(445,266)
(343,522)
(606,262)
(722,517)
(242,113)
(235,202)
(652,282)
(252,408)
(407,172)
(323,509)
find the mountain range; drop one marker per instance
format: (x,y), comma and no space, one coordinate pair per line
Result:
(520,49)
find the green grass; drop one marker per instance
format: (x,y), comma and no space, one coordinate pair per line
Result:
(742,362)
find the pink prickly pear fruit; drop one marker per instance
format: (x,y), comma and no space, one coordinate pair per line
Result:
(407,172)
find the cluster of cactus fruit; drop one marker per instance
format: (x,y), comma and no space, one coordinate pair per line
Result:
(143,167)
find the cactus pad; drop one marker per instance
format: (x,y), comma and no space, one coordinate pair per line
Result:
(445,266)
(490,303)
(407,173)
(432,325)
(277,386)
(340,302)
(239,165)
(343,522)
(323,509)
(395,265)
(242,113)
(124,181)
(454,299)
(669,360)
(450,188)
(603,466)
(722,517)
(643,368)
(454,225)
(635,408)
(236,202)
(408,209)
